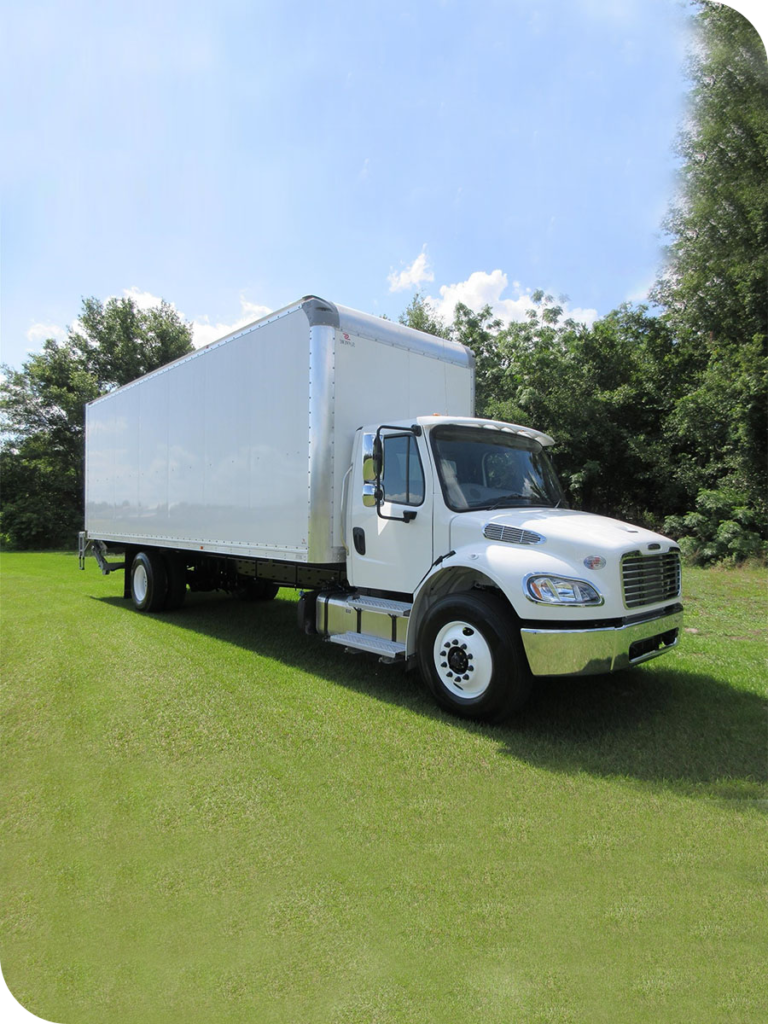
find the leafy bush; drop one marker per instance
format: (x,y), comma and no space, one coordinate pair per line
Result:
(723,528)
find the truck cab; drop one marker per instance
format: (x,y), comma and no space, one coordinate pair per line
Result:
(463,558)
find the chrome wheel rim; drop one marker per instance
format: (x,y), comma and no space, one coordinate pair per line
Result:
(140,583)
(463,660)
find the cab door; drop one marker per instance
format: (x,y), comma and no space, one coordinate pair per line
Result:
(390,543)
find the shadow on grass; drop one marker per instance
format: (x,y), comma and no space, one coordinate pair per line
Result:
(657,724)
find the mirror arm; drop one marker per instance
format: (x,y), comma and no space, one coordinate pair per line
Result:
(409,515)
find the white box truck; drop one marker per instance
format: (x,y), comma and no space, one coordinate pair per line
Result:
(338,453)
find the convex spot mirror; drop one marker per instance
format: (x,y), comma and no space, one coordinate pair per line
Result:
(371,495)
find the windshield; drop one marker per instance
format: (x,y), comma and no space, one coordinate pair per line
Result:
(490,468)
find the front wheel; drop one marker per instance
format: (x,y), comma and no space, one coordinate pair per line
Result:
(471,657)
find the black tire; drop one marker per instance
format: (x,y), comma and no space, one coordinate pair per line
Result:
(306,611)
(471,657)
(149,581)
(253,589)
(176,569)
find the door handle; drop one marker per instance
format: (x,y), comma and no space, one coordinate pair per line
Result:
(358,538)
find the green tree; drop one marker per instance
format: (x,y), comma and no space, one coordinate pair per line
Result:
(480,333)
(715,288)
(43,411)
(603,392)
(716,276)
(420,315)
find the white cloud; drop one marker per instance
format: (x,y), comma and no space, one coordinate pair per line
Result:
(144,300)
(413,275)
(483,289)
(38,333)
(204,332)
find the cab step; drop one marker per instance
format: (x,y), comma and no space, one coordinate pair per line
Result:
(402,609)
(390,650)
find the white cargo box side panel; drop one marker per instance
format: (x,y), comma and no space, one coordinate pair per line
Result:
(383,380)
(210,452)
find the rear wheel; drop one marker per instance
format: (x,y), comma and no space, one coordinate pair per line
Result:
(471,657)
(149,581)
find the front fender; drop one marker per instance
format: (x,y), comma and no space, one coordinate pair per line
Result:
(502,566)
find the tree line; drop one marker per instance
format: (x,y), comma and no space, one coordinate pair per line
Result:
(42,455)
(660,411)
(646,431)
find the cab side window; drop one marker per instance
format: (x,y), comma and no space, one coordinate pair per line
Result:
(402,478)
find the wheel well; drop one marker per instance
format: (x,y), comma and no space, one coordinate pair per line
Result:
(450,581)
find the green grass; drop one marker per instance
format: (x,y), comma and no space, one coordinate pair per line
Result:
(210,817)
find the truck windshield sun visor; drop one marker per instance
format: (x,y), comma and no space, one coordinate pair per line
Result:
(489,469)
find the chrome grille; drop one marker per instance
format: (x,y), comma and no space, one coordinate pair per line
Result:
(511,534)
(647,579)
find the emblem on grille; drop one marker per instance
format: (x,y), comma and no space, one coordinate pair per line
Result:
(594,562)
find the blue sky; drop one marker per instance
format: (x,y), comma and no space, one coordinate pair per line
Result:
(232,157)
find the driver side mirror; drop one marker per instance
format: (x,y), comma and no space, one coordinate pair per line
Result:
(371,458)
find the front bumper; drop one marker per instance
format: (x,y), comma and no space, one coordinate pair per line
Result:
(586,652)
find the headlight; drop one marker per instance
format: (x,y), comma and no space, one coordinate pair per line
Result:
(560,590)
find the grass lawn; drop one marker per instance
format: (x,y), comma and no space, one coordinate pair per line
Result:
(209,817)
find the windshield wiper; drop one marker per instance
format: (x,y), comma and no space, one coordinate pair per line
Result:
(509,497)
(535,500)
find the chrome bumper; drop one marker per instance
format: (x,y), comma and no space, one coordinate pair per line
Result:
(586,652)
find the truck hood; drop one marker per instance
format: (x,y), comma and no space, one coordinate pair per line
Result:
(564,532)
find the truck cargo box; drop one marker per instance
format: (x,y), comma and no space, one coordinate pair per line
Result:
(242,447)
